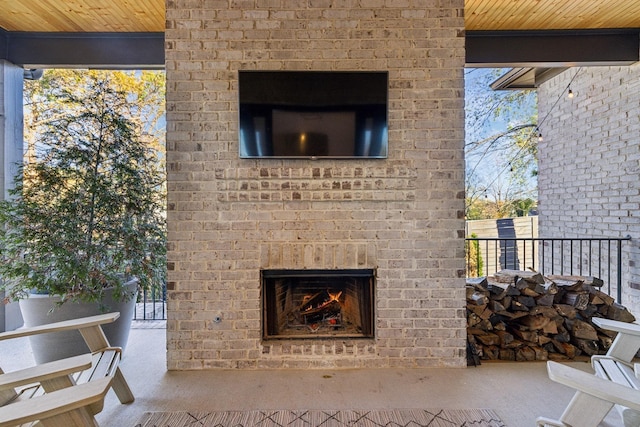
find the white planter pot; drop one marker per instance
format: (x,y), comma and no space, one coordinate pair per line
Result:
(37,310)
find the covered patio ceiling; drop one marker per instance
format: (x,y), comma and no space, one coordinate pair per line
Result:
(530,34)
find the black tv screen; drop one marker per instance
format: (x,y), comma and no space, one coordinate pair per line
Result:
(313,114)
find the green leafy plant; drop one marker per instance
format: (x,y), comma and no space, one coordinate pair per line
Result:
(475,263)
(87,210)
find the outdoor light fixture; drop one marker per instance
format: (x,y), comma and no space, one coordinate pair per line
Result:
(570,94)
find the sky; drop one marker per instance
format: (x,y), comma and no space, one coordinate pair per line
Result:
(489,113)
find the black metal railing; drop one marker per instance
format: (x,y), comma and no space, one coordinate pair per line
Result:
(599,257)
(152,304)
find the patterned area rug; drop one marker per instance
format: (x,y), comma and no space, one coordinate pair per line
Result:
(328,418)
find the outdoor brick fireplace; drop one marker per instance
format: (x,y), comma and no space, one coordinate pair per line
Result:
(317,304)
(234,221)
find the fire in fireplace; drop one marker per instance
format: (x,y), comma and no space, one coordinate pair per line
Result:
(318,303)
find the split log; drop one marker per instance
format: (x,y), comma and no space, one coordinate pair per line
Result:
(518,306)
(477,281)
(529,292)
(577,299)
(545,300)
(505,338)
(511,276)
(500,290)
(550,328)
(598,298)
(563,335)
(579,282)
(497,306)
(478,310)
(525,354)
(549,312)
(488,339)
(588,312)
(567,349)
(582,330)
(522,315)
(567,311)
(544,339)
(548,287)
(507,354)
(528,336)
(605,342)
(491,352)
(527,301)
(540,353)
(588,347)
(618,312)
(534,323)
(477,298)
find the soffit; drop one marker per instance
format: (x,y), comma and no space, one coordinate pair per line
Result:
(504,33)
(506,15)
(86,16)
(480,15)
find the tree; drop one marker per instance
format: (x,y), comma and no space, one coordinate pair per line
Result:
(500,147)
(89,202)
(143,97)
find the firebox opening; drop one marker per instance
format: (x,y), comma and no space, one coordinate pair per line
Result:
(318,303)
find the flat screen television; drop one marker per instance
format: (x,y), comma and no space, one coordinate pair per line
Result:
(313,114)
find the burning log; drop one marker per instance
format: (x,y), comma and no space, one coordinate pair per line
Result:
(327,308)
(323,306)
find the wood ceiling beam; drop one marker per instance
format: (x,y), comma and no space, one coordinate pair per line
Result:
(552,48)
(83,50)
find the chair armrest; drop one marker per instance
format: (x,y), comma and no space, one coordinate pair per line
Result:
(45,371)
(626,343)
(593,385)
(54,403)
(614,325)
(67,325)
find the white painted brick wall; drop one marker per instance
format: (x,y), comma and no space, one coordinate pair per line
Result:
(589,162)
(403,216)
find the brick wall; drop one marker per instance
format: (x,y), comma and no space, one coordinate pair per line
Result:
(228,218)
(589,162)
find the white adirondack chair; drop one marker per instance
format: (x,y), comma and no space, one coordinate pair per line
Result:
(68,392)
(615,382)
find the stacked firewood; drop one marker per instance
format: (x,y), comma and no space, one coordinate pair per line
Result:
(525,316)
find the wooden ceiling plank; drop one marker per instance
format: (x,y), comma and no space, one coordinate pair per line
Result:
(499,13)
(149,15)
(529,18)
(475,11)
(627,13)
(27,15)
(582,16)
(55,17)
(484,15)
(83,16)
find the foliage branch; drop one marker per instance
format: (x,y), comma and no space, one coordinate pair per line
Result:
(500,148)
(87,208)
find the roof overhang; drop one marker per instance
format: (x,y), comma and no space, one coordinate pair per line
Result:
(537,56)
(504,49)
(525,78)
(83,50)
(549,49)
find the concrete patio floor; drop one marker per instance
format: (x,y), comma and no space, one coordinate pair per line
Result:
(518,391)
